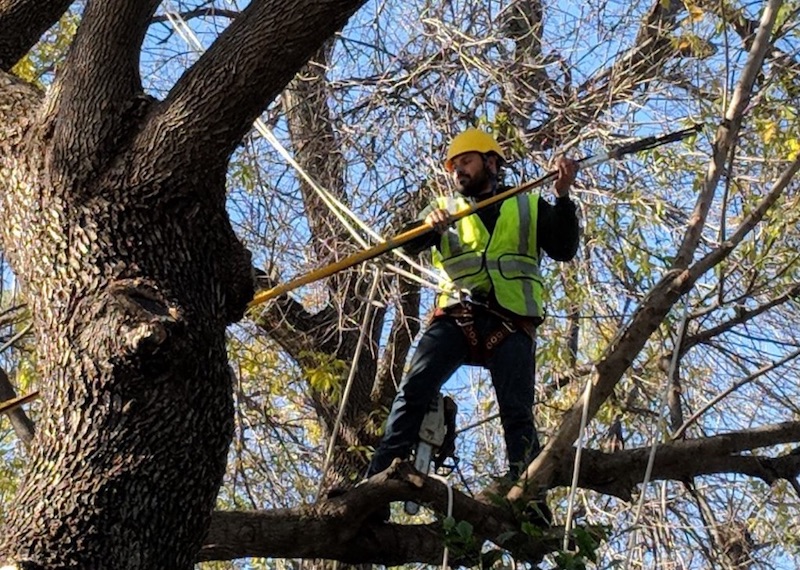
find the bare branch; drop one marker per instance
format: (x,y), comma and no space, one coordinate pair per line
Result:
(722,395)
(210,12)
(255,57)
(618,473)
(728,133)
(22,23)
(652,310)
(600,92)
(22,425)
(99,86)
(750,221)
(742,316)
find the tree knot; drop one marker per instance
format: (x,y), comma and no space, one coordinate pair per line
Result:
(149,315)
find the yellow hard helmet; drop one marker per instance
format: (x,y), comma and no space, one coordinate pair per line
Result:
(472,140)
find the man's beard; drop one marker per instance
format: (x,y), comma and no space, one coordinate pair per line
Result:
(474,186)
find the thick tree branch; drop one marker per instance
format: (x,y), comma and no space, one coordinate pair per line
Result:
(317,150)
(255,57)
(337,528)
(22,23)
(18,103)
(296,534)
(99,89)
(618,473)
(288,323)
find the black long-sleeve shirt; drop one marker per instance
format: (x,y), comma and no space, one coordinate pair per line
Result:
(557,228)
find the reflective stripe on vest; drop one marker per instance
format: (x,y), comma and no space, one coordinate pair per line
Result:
(510,265)
(459,256)
(513,257)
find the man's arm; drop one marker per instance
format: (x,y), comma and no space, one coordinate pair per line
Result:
(423,242)
(558,229)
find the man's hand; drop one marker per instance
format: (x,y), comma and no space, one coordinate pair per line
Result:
(567,169)
(439,219)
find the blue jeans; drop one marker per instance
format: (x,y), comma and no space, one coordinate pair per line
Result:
(440,352)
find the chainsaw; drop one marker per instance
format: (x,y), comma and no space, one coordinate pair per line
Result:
(437,436)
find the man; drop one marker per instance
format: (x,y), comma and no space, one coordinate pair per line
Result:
(492,302)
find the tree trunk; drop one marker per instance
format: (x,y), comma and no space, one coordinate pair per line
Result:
(131,277)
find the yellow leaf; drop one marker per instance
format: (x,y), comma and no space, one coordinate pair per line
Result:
(794,147)
(25,69)
(769,131)
(695,12)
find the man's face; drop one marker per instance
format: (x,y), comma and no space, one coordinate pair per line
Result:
(469,174)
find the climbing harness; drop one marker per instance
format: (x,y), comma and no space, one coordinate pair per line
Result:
(480,349)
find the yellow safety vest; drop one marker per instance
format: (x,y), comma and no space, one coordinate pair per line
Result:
(506,261)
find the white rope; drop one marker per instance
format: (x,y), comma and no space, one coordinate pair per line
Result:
(449,483)
(338,208)
(576,469)
(654,445)
(350,378)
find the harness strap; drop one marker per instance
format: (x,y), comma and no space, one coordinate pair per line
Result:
(480,350)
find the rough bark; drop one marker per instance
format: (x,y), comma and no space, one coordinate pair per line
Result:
(113,219)
(337,528)
(126,334)
(253,59)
